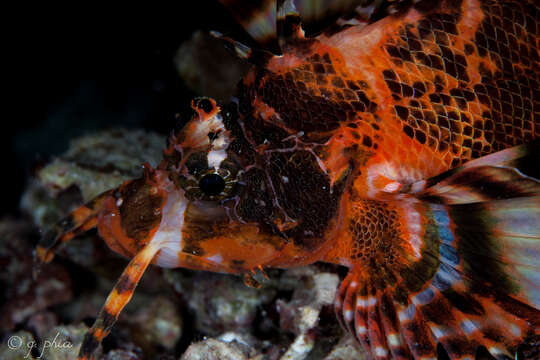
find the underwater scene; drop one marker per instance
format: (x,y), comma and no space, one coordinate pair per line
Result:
(275,180)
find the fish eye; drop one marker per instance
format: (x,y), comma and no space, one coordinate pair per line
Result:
(205,105)
(212,184)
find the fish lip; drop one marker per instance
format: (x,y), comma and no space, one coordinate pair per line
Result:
(200,261)
(178,213)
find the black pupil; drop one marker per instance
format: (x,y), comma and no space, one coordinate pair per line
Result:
(212,184)
(205,105)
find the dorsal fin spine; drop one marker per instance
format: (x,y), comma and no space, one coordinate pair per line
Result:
(257,57)
(288,23)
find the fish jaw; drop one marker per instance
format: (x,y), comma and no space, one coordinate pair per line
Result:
(191,234)
(215,239)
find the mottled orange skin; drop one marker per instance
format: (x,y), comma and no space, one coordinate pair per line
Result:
(393,158)
(444,100)
(324,157)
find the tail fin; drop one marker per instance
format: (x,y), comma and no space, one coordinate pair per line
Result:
(473,277)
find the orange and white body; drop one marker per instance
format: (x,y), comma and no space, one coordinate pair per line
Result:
(399,148)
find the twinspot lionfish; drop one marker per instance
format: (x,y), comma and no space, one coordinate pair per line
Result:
(400,143)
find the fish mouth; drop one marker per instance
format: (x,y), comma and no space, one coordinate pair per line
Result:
(196,262)
(182,220)
(200,235)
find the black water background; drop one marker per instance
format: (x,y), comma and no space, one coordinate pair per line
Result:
(74,69)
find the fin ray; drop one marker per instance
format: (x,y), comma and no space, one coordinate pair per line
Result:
(117,299)
(78,221)
(469,273)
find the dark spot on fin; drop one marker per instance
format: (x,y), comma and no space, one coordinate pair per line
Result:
(89,345)
(124,285)
(464,302)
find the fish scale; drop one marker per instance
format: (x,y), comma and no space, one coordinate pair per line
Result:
(400,144)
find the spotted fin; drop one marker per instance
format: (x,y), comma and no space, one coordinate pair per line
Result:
(461,270)
(475,284)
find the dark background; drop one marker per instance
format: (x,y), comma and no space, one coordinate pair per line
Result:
(80,68)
